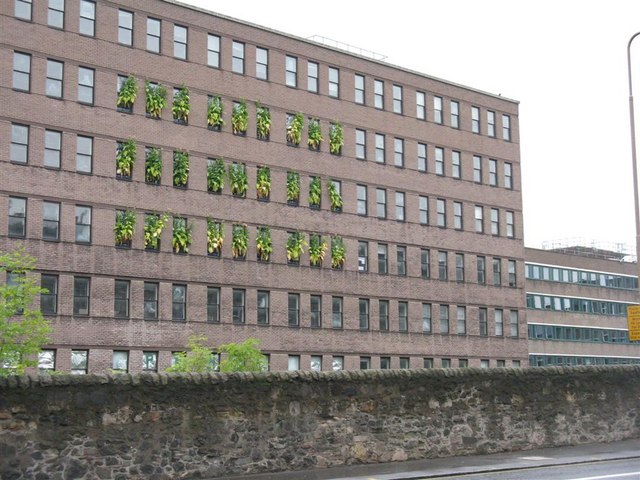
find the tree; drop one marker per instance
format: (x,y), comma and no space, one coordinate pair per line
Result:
(243,357)
(23,329)
(199,359)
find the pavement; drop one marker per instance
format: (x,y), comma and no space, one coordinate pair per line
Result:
(451,466)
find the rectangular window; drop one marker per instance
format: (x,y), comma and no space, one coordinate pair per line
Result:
(262,63)
(334,82)
(428,362)
(17,217)
(312,76)
(506,128)
(52,148)
(401,260)
(19,149)
(383,315)
(121,297)
(83,224)
(46,361)
(477,169)
(513,323)
(508,176)
(437,110)
(153,35)
(482,321)
(291,75)
(423,205)
(425,263)
(491,123)
(403,317)
(498,322)
(363,309)
(84,154)
(294,309)
(481,267)
(85,85)
(79,362)
(460,267)
(179,303)
(495,221)
(400,213)
(463,363)
(500,363)
(475,119)
(497,272)
(381,203)
(237,57)
(511,270)
(316,363)
(180,42)
(441,213)
(442,266)
(456,169)
(120,361)
(457,215)
(365,363)
(81,295)
(462,320)
(361,192)
(422,157)
(213,304)
(493,172)
(361,144)
(479,218)
(87,24)
(125,27)
(263,307)
(421,106)
(383,259)
(149,361)
(213,51)
(53,85)
(21,71)
(22,9)
(238,305)
(444,319)
(426,318)
(378,94)
(151,300)
(380,148)
(510,225)
(50,221)
(359,97)
(455,114)
(363,256)
(439,158)
(398,152)
(337,363)
(397,99)
(385,363)
(336,312)
(49,299)
(316,311)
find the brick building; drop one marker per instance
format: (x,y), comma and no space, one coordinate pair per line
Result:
(425,194)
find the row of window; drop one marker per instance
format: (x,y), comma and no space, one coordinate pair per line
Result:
(571,361)
(572,304)
(292,64)
(578,334)
(581,277)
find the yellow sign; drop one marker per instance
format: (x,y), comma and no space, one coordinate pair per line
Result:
(633,319)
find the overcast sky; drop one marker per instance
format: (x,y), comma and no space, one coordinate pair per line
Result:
(563,60)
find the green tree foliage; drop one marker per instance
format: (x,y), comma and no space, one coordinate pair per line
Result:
(199,359)
(243,357)
(23,330)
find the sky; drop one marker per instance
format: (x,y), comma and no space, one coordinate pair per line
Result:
(565,61)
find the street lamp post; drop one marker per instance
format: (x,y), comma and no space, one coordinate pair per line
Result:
(633,156)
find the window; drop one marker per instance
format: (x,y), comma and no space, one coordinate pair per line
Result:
(491,123)
(428,362)
(479,218)
(22,9)
(52,148)
(495,221)
(85,85)
(422,157)
(365,363)
(17,217)
(294,310)
(457,215)
(87,18)
(498,322)
(180,42)
(401,260)
(403,317)
(477,169)
(385,363)
(462,321)
(425,261)
(444,318)
(46,361)
(361,193)
(121,299)
(50,221)
(441,213)
(481,266)
(455,114)
(125,27)
(442,266)
(510,225)
(484,363)
(475,119)
(400,215)
(359,89)
(263,307)
(397,99)
(426,318)
(81,295)
(238,305)
(151,301)
(398,152)
(83,224)
(237,57)
(337,363)
(493,172)
(513,323)
(459,267)
(383,315)
(515,363)
(262,63)
(120,361)
(336,312)
(421,106)
(334,82)
(49,299)
(149,361)
(506,128)
(18,152)
(213,304)
(378,94)
(84,154)
(21,71)
(381,203)
(437,110)
(482,321)
(404,363)
(500,363)
(363,309)
(511,270)
(312,76)
(439,158)
(363,256)
(380,148)
(383,260)
(423,205)
(153,36)
(463,363)
(79,362)
(361,144)
(508,176)
(291,75)
(316,363)
(316,311)
(497,276)
(179,302)
(456,170)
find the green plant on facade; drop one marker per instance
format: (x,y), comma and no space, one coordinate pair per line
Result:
(263,182)
(153,226)
(264,248)
(124,227)
(215,110)
(215,237)
(334,197)
(315,192)
(294,129)
(263,122)
(243,357)
(317,249)
(182,235)
(180,168)
(293,187)
(239,118)
(314,133)
(338,252)
(239,241)
(181,105)
(153,166)
(215,175)
(295,246)
(127,93)
(336,138)
(238,179)
(156,96)
(125,158)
